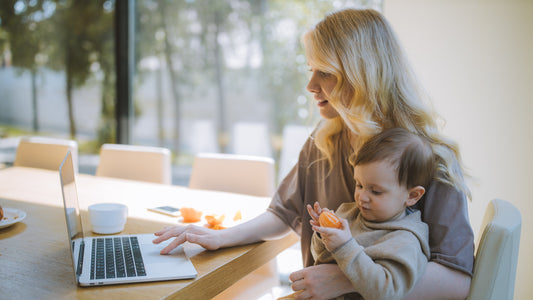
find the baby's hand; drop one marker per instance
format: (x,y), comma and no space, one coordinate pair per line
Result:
(333,238)
(314,212)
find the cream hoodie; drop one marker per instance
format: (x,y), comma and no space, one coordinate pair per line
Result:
(382,260)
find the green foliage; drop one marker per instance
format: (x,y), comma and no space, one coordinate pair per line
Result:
(10,131)
(243,53)
(65,35)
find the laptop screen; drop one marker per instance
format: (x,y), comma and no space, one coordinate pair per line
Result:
(70,197)
(72,209)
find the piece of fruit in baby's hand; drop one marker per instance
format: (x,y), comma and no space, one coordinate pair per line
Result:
(329,219)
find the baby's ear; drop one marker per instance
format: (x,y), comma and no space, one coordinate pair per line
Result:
(415,193)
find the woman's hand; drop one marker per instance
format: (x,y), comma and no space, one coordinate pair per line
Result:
(320,282)
(263,227)
(207,238)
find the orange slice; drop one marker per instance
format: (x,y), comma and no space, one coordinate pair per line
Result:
(238,216)
(329,219)
(190,215)
(213,220)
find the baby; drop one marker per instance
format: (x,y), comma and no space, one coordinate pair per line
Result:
(382,245)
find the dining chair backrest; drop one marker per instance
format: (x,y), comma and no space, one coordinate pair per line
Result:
(251,138)
(294,137)
(143,163)
(45,153)
(208,131)
(244,174)
(497,253)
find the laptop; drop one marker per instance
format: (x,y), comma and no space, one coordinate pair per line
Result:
(115,259)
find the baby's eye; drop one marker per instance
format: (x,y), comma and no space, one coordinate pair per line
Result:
(358,186)
(377,193)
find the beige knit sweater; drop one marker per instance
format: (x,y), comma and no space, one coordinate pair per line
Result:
(382,260)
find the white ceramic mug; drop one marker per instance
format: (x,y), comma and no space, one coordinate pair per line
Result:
(108,218)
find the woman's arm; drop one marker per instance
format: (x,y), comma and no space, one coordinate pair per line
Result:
(328,281)
(263,227)
(440,282)
(325,281)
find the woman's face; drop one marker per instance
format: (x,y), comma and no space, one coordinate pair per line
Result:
(321,84)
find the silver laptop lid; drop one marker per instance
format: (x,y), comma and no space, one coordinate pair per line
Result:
(71,205)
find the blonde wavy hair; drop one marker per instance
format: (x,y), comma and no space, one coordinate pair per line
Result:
(376,88)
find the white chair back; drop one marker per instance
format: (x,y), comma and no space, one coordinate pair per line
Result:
(251,138)
(45,153)
(143,163)
(497,253)
(245,174)
(207,131)
(294,137)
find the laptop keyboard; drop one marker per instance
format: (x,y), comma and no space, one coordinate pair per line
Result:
(116,257)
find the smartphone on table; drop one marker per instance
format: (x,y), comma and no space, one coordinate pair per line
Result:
(166,210)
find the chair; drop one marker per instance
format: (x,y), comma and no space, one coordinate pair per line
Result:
(45,153)
(252,175)
(497,253)
(294,137)
(143,163)
(251,138)
(203,136)
(244,174)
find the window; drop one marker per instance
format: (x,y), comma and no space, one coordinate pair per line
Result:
(225,75)
(57,71)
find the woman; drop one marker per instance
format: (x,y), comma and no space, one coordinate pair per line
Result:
(363,85)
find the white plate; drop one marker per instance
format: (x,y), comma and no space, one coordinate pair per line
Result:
(11,216)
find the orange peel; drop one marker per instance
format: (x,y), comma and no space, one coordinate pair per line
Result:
(190,215)
(238,216)
(329,219)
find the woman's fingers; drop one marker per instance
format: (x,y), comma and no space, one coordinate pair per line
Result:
(300,285)
(296,275)
(324,281)
(194,234)
(161,232)
(172,245)
(163,235)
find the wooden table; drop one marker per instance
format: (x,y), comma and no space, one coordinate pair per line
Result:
(35,263)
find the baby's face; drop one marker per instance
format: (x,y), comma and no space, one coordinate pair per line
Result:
(378,194)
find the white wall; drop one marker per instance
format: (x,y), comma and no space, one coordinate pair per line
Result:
(475,58)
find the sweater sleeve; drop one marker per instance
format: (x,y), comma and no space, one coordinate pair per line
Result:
(387,270)
(288,203)
(319,251)
(445,210)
